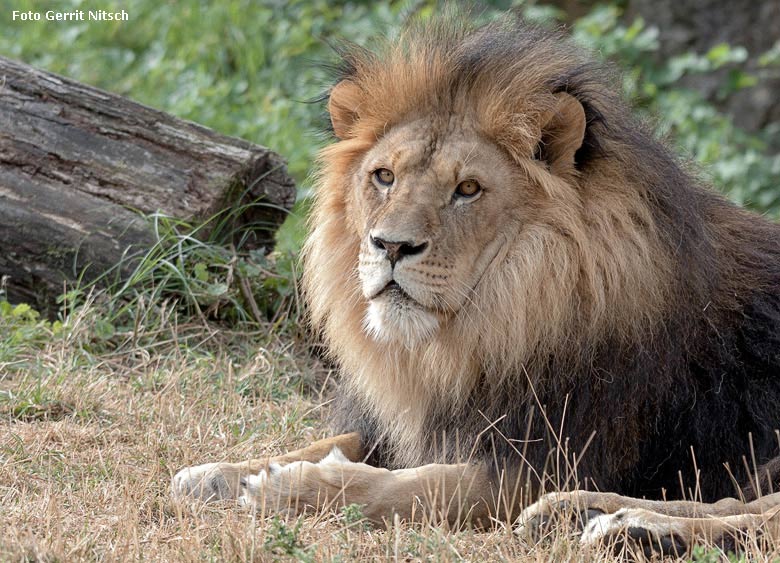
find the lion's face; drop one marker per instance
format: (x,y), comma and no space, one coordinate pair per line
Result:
(433,207)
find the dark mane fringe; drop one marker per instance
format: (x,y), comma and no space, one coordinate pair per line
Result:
(687,395)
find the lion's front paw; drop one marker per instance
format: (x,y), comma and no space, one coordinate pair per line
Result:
(553,510)
(265,490)
(637,531)
(293,487)
(208,482)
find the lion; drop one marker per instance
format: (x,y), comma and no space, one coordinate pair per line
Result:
(523,290)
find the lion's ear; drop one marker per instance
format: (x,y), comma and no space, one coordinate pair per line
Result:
(563,131)
(343,105)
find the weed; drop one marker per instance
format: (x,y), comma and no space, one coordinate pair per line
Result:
(23,331)
(702,554)
(352,514)
(281,539)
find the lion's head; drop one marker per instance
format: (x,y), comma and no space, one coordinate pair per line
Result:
(482,210)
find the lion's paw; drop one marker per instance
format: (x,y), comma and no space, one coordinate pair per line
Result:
(552,510)
(257,490)
(208,482)
(288,488)
(638,531)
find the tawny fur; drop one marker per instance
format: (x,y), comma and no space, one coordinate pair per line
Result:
(589,262)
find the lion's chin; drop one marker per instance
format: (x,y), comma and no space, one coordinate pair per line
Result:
(390,318)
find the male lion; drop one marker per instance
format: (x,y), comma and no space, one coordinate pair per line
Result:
(517,280)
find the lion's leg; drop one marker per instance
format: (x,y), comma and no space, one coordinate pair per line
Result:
(577,504)
(222,480)
(647,532)
(656,526)
(451,493)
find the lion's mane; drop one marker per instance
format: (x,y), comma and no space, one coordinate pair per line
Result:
(640,312)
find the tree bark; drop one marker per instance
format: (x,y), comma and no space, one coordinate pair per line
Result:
(79,167)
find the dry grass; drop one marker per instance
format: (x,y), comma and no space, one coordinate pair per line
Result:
(91,434)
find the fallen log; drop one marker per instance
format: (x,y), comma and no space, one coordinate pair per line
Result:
(79,166)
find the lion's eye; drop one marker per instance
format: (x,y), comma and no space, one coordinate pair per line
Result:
(384,177)
(468,189)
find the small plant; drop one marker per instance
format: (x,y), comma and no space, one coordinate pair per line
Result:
(23,329)
(430,544)
(281,539)
(353,516)
(701,554)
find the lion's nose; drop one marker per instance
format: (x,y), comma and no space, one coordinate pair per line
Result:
(395,250)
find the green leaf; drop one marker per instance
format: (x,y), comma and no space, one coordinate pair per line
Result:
(20,310)
(771,57)
(201,272)
(723,53)
(24,312)
(217,289)
(104,330)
